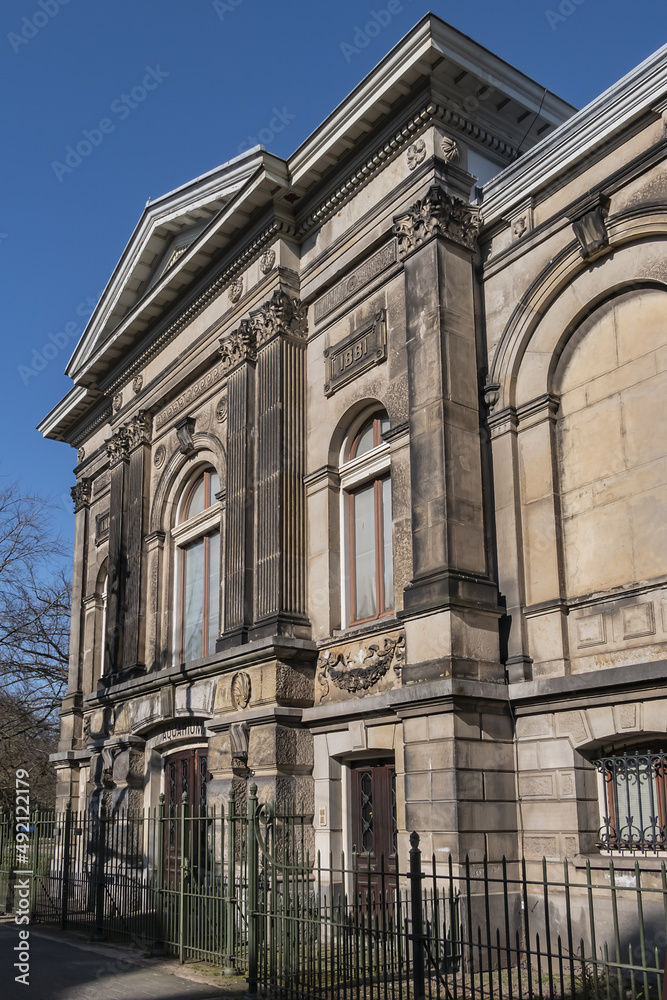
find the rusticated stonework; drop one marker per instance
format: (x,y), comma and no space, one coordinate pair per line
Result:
(438,214)
(81,494)
(359,671)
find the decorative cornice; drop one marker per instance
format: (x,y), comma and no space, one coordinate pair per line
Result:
(253,249)
(431,113)
(239,346)
(437,214)
(281,316)
(81,493)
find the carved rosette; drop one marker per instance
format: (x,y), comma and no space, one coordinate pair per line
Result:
(235,290)
(360,671)
(450,149)
(281,316)
(118,446)
(137,384)
(416,154)
(160,456)
(437,214)
(81,493)
(117,402)
(267,261)
(241,690)
(239,346)
(80,455)
(221,409)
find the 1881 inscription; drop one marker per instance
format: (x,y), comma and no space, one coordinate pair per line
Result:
(360,350)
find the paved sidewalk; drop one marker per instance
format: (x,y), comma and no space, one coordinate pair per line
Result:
(63,967)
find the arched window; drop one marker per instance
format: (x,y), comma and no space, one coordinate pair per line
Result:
(197,540)
(366,491)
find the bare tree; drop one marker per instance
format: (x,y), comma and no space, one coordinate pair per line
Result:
(34,638)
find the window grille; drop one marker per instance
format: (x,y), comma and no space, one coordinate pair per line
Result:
(635,800)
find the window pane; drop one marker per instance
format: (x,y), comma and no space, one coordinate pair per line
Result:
(213,590)
(365,440)
(367,836)
(364,552)
(387,545)
(196,501)
(214,487)
(384,425)
(193,600)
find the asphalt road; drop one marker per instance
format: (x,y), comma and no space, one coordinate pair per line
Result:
(64,969)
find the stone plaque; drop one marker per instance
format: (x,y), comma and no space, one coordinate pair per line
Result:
(375,265)
(190,395)
(360,350)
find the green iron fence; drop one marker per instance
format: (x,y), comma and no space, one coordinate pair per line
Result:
(242,888)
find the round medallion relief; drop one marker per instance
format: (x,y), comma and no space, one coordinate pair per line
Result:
(241,689)
(159,456)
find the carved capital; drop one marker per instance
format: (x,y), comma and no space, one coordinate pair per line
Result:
(139,430)
(81,493)
(281,316)
(239,346)
(437,214)
(491,394)
(118,446)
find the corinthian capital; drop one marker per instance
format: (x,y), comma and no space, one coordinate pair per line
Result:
(282,316)
(118,446)
(81,494)
(239,346)
(139,430)
(437,214)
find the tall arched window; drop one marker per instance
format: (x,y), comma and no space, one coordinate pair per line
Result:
(366,486)
(197,539)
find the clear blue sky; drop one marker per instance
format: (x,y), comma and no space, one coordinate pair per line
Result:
(219,70)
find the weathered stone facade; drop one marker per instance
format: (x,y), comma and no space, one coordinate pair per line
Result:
(502,321)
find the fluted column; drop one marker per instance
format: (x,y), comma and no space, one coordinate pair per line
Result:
(238,353)
(280,582)
(138,439)
(119,457)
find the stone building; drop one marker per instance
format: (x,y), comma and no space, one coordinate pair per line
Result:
(371,493)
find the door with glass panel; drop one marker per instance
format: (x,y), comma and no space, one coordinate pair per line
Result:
(374,828)
(185,772)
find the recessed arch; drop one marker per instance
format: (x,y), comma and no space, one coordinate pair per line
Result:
(523,360)
(208,450)
(350,422)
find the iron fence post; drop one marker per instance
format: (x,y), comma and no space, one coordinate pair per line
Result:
(417,937)
(181,886)
(101,822)
(229,969)
(253,893)
(67,836)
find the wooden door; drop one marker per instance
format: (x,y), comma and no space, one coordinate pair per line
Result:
(374,828)
(185,772)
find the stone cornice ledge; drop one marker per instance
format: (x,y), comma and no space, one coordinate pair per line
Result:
(405,701)
(258,651)
(586,130)
(603,682)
